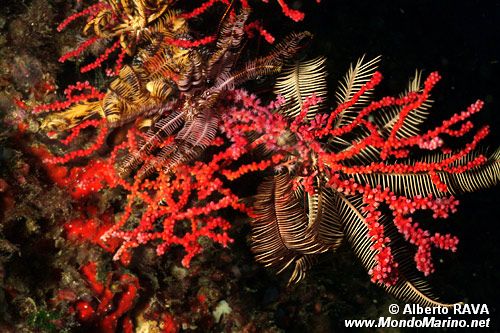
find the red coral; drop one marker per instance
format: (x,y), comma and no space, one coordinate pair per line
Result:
(386,269)
(308,151)
(294,14)
(117,16)
(180,207)
(88,93)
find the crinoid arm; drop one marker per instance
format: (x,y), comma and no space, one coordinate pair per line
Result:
(299,80)
(421,183)
(357,76)
(71,117)
(288,233)
(274,61)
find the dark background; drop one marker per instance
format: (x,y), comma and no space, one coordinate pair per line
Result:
(461,40)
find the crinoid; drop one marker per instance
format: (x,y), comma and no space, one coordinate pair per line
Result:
(170,91)
(125,25)
(347,176)
(128,20)
(136,89)
(194,117)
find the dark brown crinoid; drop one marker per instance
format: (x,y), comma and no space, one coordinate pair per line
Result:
(169,90)
(190,114)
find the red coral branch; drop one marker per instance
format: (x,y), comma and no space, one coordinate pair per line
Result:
(89,11)
(103,57)
(92,94)
(257,26)
(79,50)
(190,43)
(291,13)
(86,151)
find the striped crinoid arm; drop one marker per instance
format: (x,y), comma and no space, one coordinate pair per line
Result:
(151,141)
(292,228)
(270,64)
(170,142)
(228,45)
(301,80)
(289,47)
(471,173)
(72,116)
(128,97)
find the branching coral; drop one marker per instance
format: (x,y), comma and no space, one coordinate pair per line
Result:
(337,179)
(357,173)
(126,24)
(172,90)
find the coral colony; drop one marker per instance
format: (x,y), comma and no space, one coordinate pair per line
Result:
(185,129)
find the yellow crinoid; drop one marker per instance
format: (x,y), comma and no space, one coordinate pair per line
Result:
(144,84)
(133,20)
(147,84)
